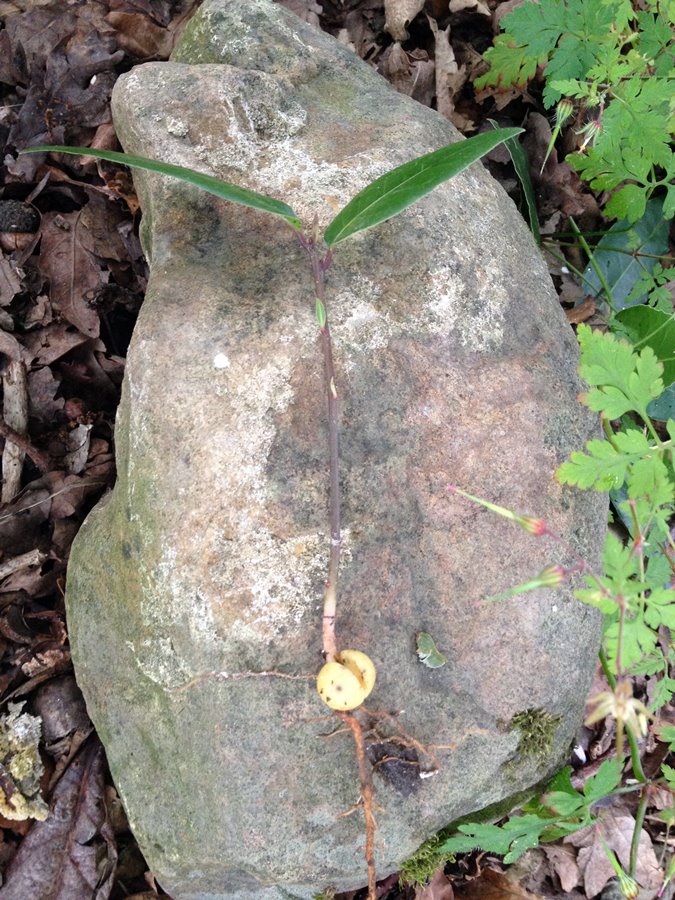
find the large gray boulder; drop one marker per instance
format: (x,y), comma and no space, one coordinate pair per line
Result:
(455,364)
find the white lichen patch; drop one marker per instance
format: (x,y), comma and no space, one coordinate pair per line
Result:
(177,127)
(247,123)
(282,580)
(158,661)
(476,312)
(359,317)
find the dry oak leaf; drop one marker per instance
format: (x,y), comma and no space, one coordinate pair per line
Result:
(491,885)
(73,271)
(399,14)
(410,73)
(438,888)
(562,860)
(450,78)
(616,828)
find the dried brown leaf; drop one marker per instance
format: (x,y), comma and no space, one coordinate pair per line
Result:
(582,312)
(73,271)
(450,77)
(46,345)
(10,281)
(558,187)
(11,347)
(398,15)
(616,828)
(491,885)
(140,36)
(439,888)
(307,10)
(409,73)
(42,390)
(474,6)
(72,854)
(563,861)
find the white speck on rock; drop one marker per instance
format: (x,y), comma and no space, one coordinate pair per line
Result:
(177,127)
(221,361)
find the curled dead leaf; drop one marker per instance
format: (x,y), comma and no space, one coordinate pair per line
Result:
(398,15)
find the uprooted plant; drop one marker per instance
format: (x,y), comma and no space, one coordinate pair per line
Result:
(348,676)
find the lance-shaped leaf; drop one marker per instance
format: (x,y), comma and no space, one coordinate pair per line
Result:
(222,189)
(397,190)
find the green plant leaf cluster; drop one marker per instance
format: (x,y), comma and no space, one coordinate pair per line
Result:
(634,592)
(625,262)
(618,66)
(559,811)
(383,199)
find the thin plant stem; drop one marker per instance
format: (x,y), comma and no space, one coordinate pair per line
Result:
(319,266)
(591,258)
(637,830)
(636,762)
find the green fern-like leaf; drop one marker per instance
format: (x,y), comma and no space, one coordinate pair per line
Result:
(622,380)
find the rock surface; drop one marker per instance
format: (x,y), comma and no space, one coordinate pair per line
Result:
(454,364)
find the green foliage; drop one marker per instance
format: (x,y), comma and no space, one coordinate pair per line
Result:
(381,200)
(614,63)
(428,652)
(208,183)
(421,866)
(633,593)
(625,262)
(560,811)
(396,190)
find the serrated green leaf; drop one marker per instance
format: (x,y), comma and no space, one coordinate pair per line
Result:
(604,782)
(508,64)
(208,183)
(397,190)
(603,467)
(428,652)
(625,381)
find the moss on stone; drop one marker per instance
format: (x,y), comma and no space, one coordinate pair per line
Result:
(537,729)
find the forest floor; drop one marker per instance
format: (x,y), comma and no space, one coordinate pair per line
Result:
(72,278)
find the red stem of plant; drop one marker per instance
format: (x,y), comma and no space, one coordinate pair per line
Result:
(319,267)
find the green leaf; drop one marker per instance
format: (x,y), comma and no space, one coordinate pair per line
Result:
(617,255)
(654,328)
(605,780)
(522,166)
(222,189)
(428,652)
(397,190)
(320,312)
(603,466)
(663,408)
(625,381)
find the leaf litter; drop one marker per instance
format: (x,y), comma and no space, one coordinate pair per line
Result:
(70,288)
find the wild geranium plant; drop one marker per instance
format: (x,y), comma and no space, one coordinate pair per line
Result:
(613,67)
(635,592)
(348,676)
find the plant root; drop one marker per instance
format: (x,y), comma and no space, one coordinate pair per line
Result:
(367,797)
